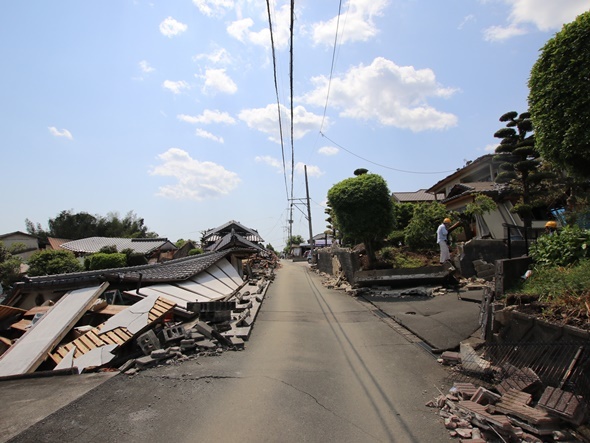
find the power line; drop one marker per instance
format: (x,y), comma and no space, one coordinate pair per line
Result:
(274,63)
(378,164)
(332,66)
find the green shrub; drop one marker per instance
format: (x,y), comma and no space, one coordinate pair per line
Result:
(398,259)
(50,262)
(558,283)
(421,231)
(396,238)
(195,251)
(100,260)
(565,248)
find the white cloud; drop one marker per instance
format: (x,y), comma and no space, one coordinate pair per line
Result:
(356,24)
(490,148)
(175,87)
(219,56)
(467,19)
(312,171)
(205,134)
(171,27)
(546,15)
(196,180)
(216,80)
(390,94)
(208,117)
(145,67)
(240,29)
(543,15)
(214,8)
(63,133)
(271,161)
(500,33)
(267,120)
(328,150)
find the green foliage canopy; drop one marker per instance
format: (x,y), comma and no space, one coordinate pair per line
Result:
(363,208)
(103,260)
(571,245)
(559,100)
(420,233)
(74,226)
(9,266)
(50,262)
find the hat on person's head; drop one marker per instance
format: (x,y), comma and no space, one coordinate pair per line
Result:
(447,220)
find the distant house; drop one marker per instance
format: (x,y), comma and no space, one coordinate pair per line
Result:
(231,234)
(55,243)
(30,242)
(154,249)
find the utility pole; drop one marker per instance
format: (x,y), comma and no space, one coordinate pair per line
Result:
(308,212)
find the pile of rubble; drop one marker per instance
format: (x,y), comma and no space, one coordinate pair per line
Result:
(91,329)
(519,407)
(476,414)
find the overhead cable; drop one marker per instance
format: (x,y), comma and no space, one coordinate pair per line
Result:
(274,63)
(378,164)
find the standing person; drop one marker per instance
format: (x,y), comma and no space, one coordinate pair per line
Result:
(442,238)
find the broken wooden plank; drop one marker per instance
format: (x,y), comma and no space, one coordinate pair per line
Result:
(10,311)
(96,347)
(27,354)
(22,325)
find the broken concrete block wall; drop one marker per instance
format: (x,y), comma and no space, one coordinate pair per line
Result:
(349,261)
(487,250)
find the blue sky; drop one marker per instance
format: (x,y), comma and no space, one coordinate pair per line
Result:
(169,108)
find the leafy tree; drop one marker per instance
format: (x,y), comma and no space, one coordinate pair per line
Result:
(74,226)
(571,245)
(195,251)
(421,231)
(270,248)
(9,267)
(363,209)
(481,205)
(558,98)
(50,262)
(295,240)
(520,163)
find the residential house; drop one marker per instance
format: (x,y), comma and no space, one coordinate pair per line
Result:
(154,249)
(477,177)
(30,243)
(231,232)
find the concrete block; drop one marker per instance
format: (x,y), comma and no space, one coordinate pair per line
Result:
(172,334)
(187,344)
(148,342)
(204,329)
(206,344)
(159,353)
(236,342)
(145,362)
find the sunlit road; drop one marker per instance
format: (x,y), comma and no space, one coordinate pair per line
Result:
(319,367)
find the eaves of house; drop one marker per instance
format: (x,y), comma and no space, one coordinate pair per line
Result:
(481,165)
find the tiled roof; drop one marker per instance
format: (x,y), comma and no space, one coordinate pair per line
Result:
(16,233)
(92,245)
(418,196)
(233,240)
(487,158)
(56,243)
(172,270)
(216,233)
(464,189)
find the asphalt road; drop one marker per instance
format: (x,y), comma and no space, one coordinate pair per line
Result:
(319,367)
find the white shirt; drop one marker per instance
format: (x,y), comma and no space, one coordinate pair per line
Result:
(442,233)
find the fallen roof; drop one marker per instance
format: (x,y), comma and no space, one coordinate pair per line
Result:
(92,245)
(465,189)
(172,270)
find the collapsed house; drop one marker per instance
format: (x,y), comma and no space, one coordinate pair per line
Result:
(135,316)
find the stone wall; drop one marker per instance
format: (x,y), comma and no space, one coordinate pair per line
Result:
(333,260)
(509,273)
(488,251)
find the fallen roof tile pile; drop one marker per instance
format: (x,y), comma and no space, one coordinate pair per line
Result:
(519,407)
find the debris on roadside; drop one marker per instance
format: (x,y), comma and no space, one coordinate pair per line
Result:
(157,314)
